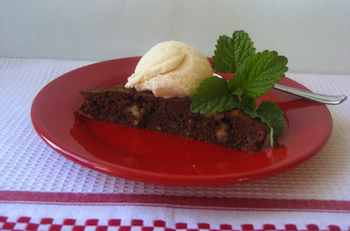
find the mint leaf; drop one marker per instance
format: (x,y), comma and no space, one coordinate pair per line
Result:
(270,114)
(258,73)
(230,52)
(248,106)
(213,95)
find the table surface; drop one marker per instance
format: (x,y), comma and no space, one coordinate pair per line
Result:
(40,189)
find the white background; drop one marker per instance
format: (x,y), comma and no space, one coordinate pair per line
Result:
(313,34)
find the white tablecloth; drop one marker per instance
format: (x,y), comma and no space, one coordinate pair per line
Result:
(37,183)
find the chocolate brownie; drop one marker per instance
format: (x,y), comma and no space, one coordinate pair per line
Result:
(126,106)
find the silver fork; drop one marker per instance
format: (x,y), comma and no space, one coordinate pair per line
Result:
(321,98)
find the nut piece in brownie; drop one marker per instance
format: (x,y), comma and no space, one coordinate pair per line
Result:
(142,109)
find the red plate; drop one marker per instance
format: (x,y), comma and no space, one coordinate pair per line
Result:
(161,158)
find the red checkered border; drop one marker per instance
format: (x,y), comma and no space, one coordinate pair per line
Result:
(251,204)
(27,223)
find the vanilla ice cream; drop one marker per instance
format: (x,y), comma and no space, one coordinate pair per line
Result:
(170,69)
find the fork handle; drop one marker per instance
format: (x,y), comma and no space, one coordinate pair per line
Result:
(321,98)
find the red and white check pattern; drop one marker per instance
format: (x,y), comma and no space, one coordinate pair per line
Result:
(70,224)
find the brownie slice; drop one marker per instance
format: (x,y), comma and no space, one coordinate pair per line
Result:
(126,106)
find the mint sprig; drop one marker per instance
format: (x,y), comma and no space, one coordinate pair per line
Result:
(213,95)
(255,74)
(230,52)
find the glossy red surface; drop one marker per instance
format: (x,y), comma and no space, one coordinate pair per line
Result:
(162,158)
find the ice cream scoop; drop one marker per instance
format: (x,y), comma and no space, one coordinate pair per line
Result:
(170,69)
